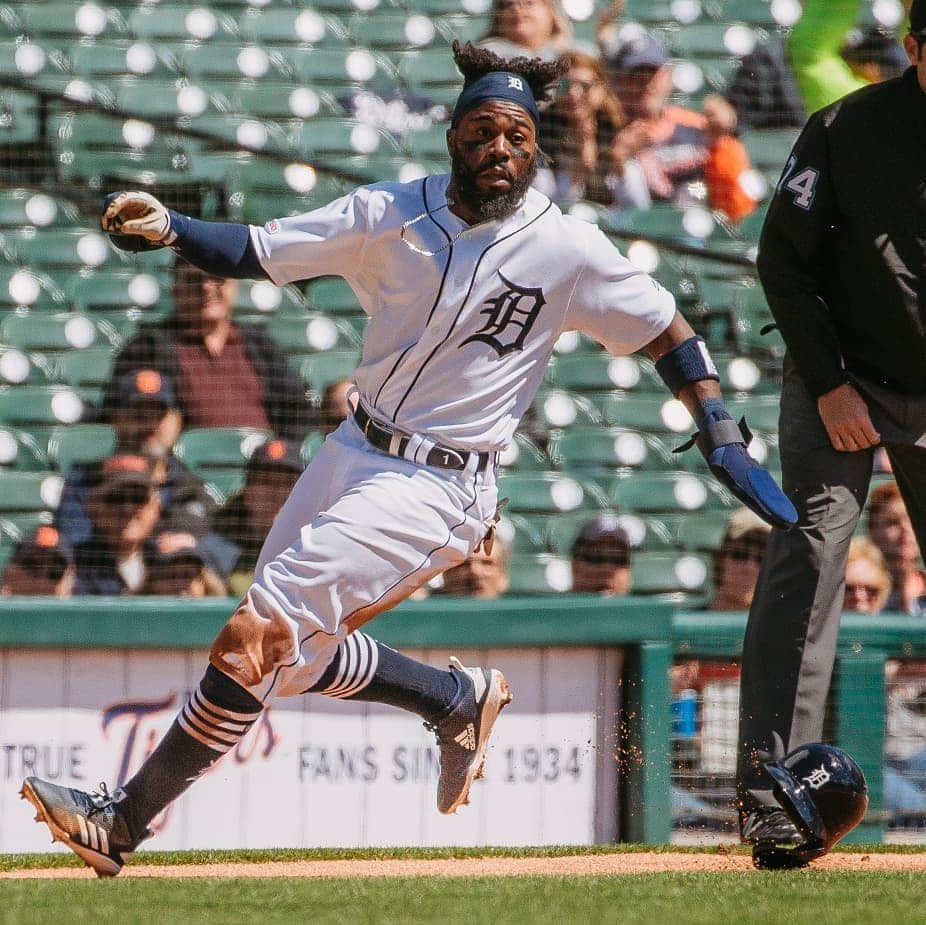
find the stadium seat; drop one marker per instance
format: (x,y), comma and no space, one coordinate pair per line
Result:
(26,406)
(332,295)
(342,68)
(394,30)
(30,207)
(523,455)
(218,455)
(542,573)
(309,333)
(333,137)
(703,533)
(81,368)
(19,113)
(54,332)
(120,289)
(541,492)
(122,58)
(558,408)
(321,369)
(653,412)
(591,449)
(181,22)
(281,100)
(291,25)
(54,249)
(28,492)
(21,451)
(602,372)
(666,492)
(18,368)
(80,443)
(670,572)
(710,40)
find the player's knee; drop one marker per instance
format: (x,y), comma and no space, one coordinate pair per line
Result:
(252,644)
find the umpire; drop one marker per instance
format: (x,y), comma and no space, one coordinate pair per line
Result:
(842,260)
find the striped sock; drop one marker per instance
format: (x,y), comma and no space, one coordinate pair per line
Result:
(364,669)
(215,718)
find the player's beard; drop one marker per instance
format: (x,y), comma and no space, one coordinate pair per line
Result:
(487,204)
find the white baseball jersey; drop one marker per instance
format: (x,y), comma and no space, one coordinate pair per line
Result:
(458,341)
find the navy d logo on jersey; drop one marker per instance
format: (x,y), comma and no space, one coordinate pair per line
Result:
(509,317)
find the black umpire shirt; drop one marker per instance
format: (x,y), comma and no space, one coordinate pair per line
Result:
(843,250)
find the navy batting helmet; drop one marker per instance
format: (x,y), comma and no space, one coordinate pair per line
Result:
(824,793)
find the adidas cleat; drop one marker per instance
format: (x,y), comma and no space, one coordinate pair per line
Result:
(464,733)
(86,822)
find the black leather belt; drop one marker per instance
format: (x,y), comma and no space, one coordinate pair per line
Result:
(382,438)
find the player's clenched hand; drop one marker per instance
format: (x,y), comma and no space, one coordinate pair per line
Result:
(846,419)
(136,213)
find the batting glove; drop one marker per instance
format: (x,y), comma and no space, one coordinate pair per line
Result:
(136,221)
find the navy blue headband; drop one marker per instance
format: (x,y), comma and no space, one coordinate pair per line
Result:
(496,85)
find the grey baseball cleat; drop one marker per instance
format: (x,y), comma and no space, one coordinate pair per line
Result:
(86,822)
(464,734)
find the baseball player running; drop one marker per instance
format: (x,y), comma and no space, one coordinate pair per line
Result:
(468,280)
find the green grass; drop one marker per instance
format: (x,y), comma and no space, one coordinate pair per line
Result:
(680,899)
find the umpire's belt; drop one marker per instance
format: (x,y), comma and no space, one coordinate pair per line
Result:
(415,447)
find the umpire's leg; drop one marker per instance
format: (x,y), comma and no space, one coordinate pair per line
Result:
(909,466)
(790,642)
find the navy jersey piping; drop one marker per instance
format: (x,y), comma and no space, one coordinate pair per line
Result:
(440,289)
(472,282)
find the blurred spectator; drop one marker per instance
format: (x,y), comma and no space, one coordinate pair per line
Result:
(890,529)
(829,59)
(737,561)
(578,133)
(679,150)
(144,413)
(483,575)
(247,517)
(601,557)
(226,374)
(868,582)
(41,564)
(531,28)
(180,566)
(334,406)
(124,509)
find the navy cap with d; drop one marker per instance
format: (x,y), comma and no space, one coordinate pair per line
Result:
(496,85)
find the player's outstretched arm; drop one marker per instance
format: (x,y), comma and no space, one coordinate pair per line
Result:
(136,221)
(683,362)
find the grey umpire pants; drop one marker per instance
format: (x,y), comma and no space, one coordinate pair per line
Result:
(790,643)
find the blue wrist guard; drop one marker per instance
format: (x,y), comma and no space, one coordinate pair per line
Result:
(219,248)
(686,363)
(723,444)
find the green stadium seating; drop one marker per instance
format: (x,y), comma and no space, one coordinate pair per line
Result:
(523,455)
(54,248)
(587,449)
(218,455)
(80,443)
(21,451)
(309,333)
(54,332)
(181,22)
(701,40)
(90,367)
(557,408)
(31,207)
(332,295)
(25,406)
(541,573)
(668,492)
(428,142)
(19,113)
(758,12)
(644,411)
(466,27)
(542,492)
(770,149)
(258,300)
(703,533)
(643,532)
(111,290)
(649,11)
(18,368)
(321,369)
(600,371)
(337,67)
(111,59)
(69,19)
(279,100)
(334,137)
(27,493)
(761,411)
(27,287)
(394,29)
(431,72)
(670,572)
(291,25)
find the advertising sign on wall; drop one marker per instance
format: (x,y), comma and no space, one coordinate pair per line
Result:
(314,771)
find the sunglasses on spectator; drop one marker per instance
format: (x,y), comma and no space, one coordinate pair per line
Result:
(868,591)
(744,553)
(134,496)
(584,86)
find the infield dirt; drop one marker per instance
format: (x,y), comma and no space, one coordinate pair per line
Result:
(579,865)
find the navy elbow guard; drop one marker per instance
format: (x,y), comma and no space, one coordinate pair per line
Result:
(688,362)
(723,444)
